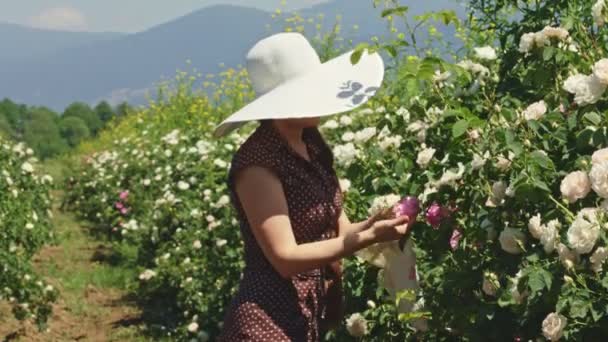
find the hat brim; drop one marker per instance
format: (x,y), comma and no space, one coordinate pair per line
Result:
(333,87)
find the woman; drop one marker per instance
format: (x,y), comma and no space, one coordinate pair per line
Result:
(287,195)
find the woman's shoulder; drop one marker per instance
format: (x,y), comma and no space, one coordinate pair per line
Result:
(255,151)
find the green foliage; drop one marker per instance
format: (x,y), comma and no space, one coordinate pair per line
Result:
(24,228)
(104,111)
(74,130)
(49,134)
(84,112)
(500,156)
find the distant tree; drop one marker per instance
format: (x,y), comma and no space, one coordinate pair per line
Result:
(104,111)
(73,130)
(6,130)
(83,111)
(42,134)
(123,109)
(14,114)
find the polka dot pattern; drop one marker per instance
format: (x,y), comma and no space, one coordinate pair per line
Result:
(267,306)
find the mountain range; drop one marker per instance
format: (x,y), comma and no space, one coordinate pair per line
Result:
(53,68)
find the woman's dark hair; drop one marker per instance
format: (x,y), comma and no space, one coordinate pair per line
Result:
(326,155)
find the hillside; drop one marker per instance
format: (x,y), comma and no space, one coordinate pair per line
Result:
(123,68)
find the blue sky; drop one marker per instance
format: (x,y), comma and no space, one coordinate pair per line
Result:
(117,15)
(138,15)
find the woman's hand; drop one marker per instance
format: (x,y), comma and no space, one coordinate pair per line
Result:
(389,229)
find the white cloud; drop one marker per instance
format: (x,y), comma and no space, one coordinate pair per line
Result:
(59,18)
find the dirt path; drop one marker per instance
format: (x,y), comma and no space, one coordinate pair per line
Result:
(93,303)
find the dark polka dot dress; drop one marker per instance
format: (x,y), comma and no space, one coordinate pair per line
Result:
(267,306)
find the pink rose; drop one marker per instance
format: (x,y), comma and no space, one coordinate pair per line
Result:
(408,206)
(123,195)
(119,205)
(455,239)
(436,213)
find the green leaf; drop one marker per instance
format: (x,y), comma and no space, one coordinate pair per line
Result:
(540,184)
(516,147)
(548,53)
(593,117)
(356,55)
(605,281)
(561,304)
(542,160)
(547,278)
(391,50)
(536,282)
(578,308)
(459,128)
(595,314)
(401,10)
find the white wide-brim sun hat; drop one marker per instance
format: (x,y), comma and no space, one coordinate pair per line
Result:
(291,82)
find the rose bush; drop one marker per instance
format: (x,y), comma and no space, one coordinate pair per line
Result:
(24,228)
(511,132)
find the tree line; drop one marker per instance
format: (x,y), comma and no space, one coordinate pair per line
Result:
(50,133)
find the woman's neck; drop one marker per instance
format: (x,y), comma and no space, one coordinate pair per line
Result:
(292,135)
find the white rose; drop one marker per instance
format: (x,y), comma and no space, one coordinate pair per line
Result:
(597,259)
(441,76)
(503,164)
(575,186)
(599,156)
(535,226)
(526,42)
(515,294)
(197,244)
(555,32)
(27,167)
(391,141)
(479,161)
(193,327)
(550,236)
(183,185)
(597,11)
(348,136)
(553,326)
(600,70)
(330,124)
(344,184)
(425,156)
(583,234)
(147,275)
(346,120)
(356,325)
(450,177)
(599,179)
(499,190)
(490,284)
(486,52)
(586,89)
(535,111)
(345,154)
(567,257)
(510,240)
(474,68)
(365,134)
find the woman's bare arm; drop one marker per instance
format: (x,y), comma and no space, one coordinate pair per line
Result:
(346,227)
(263,200)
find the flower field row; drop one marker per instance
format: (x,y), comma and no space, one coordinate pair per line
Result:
(509,141)
(24,228)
